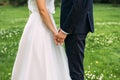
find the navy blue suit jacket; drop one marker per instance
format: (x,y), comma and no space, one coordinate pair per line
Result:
(77,16)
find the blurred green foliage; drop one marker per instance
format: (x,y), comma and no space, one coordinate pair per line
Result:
(57,2)
(107,1)
(18,2)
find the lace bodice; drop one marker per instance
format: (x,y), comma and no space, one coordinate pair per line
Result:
(32,6)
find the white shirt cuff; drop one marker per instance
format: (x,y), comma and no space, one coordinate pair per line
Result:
(64,32)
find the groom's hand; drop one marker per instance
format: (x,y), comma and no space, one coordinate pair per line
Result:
(61,37)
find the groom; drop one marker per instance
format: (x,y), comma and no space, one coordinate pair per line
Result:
(76,22)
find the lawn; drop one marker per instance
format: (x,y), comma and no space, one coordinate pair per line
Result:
(102,53)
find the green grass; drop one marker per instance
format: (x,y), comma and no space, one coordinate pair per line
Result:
(102,53)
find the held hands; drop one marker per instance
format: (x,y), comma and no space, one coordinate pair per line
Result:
(60,37)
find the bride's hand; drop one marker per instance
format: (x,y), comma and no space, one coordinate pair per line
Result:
(55,34)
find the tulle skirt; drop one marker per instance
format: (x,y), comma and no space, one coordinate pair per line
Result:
(38,57)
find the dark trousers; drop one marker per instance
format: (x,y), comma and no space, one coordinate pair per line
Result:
(74,45)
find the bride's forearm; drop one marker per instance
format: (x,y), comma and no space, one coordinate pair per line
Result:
(45,15)
(47,20)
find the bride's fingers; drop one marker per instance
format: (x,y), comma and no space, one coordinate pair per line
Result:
(61,44)
(55,41)
(61,41)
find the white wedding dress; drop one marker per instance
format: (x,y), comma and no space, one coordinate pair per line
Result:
(38,57)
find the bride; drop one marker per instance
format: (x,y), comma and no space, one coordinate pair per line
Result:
(38,57)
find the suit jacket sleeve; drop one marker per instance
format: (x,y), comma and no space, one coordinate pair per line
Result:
(73,17)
